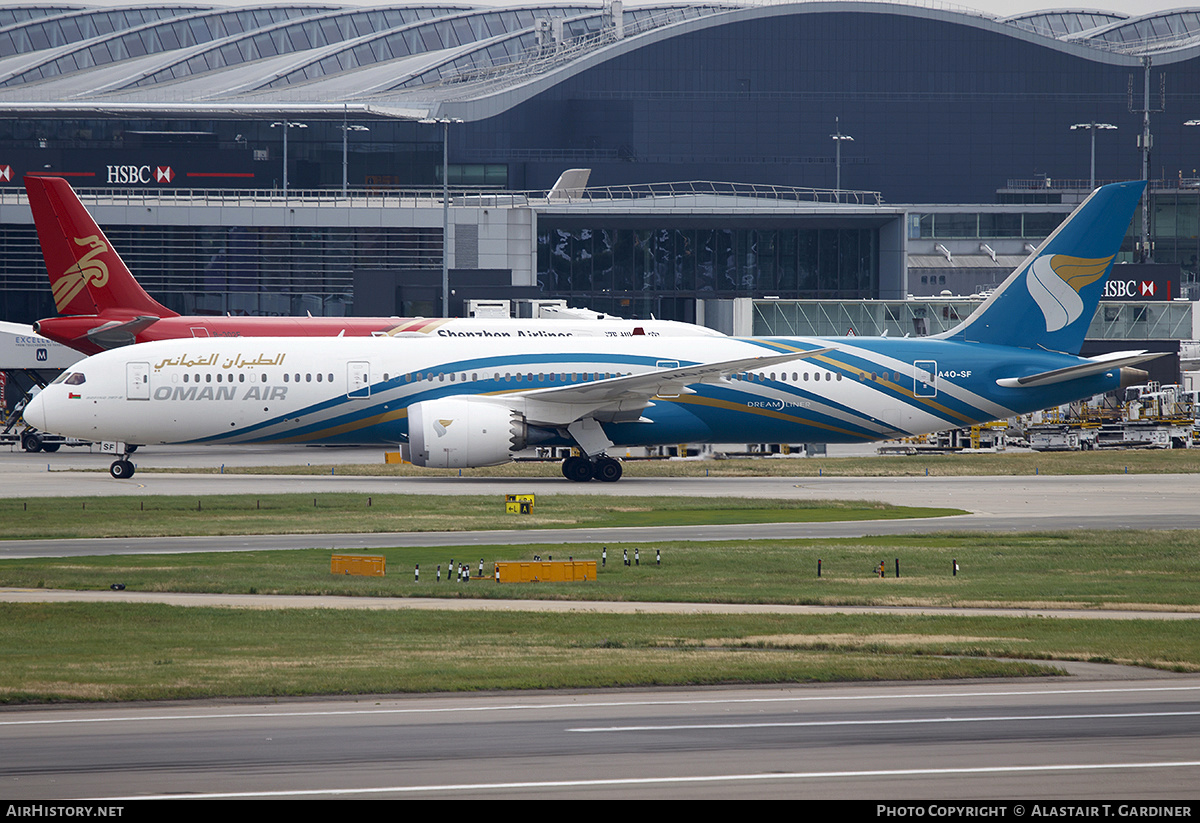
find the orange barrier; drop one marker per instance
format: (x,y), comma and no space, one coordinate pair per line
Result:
(546,571)
(366,565)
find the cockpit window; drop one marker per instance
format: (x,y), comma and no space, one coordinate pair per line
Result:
(75,379)
(60,378)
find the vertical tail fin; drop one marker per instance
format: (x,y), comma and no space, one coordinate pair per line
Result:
(87,275)
(1049,300)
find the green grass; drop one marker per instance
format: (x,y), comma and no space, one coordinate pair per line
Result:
(154,516)
(1123,569)
(115,651)
(110,651)
(82,652)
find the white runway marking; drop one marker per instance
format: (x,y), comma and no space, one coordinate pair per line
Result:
(648,781)
(536,706)
(907,722)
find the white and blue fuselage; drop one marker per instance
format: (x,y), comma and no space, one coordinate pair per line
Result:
(462,402)
(359,390)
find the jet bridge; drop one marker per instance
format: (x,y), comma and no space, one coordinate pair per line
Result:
(27,363)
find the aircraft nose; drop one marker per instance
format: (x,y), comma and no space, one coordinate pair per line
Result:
(35,412)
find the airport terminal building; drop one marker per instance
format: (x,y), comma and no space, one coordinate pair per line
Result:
(287,158)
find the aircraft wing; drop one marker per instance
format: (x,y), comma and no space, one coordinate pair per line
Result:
(1095,365)
(626,396)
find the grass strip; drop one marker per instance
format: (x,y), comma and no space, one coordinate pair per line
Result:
(161,516)
(1085,569)
(96,652)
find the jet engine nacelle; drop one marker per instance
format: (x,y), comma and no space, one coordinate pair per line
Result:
(463,433)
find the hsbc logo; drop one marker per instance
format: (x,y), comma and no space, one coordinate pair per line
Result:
(5,173)
(129,174)
(140,174)
(1131,289)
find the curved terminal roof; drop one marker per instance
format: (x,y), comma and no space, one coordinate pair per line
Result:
(423,59)
(1147,33)
(1061,22)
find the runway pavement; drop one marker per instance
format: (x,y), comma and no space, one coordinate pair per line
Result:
(960,743)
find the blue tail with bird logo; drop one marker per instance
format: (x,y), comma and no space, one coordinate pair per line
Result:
(1049,301)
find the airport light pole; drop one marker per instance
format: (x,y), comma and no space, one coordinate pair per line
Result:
(838,138)
(1093,128)
(286,124)
(445,123)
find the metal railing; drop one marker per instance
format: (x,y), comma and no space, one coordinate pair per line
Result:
(464,196)
(1083,184)
(704,188)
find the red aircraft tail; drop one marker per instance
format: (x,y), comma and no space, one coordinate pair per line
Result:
(87,275)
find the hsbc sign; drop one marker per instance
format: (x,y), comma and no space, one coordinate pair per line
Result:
(1143,282)
(1131,289)
(140,174)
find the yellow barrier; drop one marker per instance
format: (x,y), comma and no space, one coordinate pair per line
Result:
(393,457)
(546,571)
(365,565)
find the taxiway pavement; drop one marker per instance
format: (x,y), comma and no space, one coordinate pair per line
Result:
(1002,504)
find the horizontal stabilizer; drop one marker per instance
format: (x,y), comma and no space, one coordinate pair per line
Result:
(114,334)
(1095,365)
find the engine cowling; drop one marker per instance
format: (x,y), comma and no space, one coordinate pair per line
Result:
(463,433)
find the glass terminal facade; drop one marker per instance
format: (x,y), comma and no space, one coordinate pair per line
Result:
(945,106)
(250,270)
(647,268)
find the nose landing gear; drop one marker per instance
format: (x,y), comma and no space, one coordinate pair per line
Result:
(122,468)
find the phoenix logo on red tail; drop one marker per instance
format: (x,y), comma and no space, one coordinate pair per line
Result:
(86,270)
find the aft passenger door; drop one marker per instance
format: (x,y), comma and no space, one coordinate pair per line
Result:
(925,378)
(358,379)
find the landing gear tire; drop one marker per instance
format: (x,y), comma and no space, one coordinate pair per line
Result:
(31,442)
(121,469)
(578,469)
(608,470)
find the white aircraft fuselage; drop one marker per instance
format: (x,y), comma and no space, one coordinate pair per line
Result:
(459,402)
(360,390)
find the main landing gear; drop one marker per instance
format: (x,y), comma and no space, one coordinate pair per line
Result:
(582,469)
